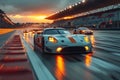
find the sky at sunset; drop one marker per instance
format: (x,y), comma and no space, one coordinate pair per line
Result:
(33,10)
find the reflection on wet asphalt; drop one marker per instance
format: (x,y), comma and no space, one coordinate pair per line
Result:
(102,64)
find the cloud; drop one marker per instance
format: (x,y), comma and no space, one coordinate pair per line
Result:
(17,6)
(9,8)
(24,19)
(33,7)
(29,6)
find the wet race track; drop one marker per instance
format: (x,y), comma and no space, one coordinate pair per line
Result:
(102,64)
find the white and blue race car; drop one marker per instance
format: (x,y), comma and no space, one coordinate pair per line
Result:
(59,40)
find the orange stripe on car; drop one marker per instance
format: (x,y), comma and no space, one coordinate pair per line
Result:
(72,39)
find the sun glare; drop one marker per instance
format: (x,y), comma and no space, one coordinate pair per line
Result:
(41,17)
(29,18)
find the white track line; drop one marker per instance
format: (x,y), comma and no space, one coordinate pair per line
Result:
(41,71)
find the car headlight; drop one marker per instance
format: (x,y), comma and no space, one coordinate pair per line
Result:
(86,39)
(59,49)
(52,39)
(87,48)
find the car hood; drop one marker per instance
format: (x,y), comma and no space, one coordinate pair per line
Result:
(69,38)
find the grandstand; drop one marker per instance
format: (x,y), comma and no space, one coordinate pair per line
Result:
(4,20)
(104,15)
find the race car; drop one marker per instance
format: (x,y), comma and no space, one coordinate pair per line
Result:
(25,32)
(83,30)
(61,41)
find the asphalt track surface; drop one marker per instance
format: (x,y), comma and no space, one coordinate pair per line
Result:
(102,64)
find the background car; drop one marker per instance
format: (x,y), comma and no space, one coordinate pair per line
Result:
(25,32)
(83,30)
(58,40)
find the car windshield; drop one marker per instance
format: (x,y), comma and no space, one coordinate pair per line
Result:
(83,28)
(56,31)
